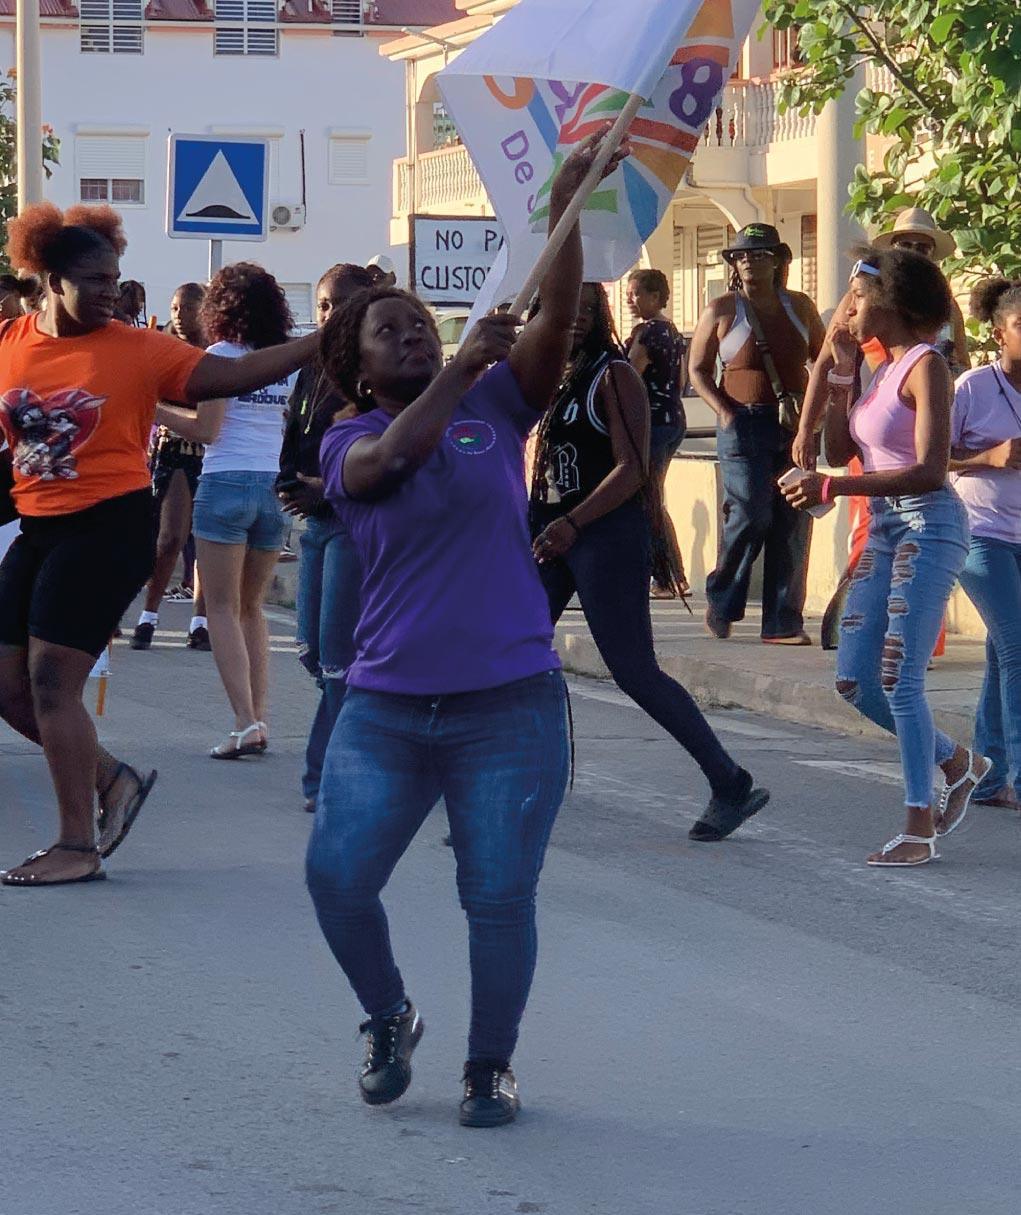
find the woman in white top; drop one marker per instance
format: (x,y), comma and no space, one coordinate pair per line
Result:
(986,462)
(238,520)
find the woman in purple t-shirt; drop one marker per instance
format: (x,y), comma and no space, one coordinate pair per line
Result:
(455,690)
(986,461)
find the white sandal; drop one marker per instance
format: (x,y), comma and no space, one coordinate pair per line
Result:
(890,845)
(972,777)
(240,747)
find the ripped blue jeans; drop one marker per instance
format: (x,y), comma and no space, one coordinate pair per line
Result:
(916,550)
(329,593)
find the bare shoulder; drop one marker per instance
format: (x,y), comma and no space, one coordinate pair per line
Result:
(804,305)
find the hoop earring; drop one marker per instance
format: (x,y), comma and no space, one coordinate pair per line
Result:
(363,390)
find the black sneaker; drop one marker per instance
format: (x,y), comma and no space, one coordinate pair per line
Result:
(198,639)
(724,815)
(141,639)
(490,1094)
(390,1042)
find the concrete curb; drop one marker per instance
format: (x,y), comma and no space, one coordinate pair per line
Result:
(717,685)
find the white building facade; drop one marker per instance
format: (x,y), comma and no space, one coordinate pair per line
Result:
(120,76)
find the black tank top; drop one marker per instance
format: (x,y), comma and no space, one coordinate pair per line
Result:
(581,451)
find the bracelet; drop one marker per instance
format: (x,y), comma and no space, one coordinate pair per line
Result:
(839,381)
(577,529)
(824,492)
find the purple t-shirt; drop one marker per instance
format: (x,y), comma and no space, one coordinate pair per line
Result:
(451,597)
(987,412)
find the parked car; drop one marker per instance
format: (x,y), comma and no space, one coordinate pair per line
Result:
(450,323)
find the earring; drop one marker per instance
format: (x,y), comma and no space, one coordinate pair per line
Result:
(364,391)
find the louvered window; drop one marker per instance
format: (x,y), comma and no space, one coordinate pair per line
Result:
(111,169)
(347,12)
(349,160)
(111,27)
(246,27)
(299,300)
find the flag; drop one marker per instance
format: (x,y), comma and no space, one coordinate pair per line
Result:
(520,107)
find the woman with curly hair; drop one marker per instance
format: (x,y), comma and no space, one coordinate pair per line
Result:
(918,531)
(78,394)
(455,690)
(595,512)
(238,522)
(987,475)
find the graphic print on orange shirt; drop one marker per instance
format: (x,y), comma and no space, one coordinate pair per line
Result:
(48,431)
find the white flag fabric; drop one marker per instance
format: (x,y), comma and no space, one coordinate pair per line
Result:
(520,107)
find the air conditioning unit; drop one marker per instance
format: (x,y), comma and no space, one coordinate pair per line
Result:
(288,215)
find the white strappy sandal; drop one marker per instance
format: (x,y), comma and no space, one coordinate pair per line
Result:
(972,778)
(890,845)
(241,748)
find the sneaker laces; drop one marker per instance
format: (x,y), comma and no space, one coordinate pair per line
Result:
(381,1040)
(482,1079)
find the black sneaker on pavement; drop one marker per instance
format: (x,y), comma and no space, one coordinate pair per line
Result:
(198,639)
(490,1094)
(141,639)
(389,1043)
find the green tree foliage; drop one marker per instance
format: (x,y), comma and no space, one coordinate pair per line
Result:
(952,117)
(8,158)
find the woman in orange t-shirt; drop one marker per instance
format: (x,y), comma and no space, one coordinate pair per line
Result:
(78,394)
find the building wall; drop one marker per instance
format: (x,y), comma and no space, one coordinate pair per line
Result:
(318,84)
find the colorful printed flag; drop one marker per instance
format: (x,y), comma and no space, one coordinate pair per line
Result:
(520,109)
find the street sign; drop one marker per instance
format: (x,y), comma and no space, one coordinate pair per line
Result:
(451,256)
(217,188)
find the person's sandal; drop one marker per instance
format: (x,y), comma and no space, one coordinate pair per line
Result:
(9,878)
(890,845)
(240,748)
(947,820)
(724,815)
(115,822)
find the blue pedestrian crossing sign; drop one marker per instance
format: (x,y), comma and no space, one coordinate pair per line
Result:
(217,187)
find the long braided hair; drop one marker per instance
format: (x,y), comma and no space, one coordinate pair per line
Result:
(603,340)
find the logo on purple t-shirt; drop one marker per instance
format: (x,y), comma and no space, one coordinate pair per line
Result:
(471,438)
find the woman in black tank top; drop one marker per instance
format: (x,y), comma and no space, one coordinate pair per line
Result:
(592,504)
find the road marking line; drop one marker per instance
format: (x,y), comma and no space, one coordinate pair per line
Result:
(862,769)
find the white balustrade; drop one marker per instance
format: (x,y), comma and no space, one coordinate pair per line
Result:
(748,117)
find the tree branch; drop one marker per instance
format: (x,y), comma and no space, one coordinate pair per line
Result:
(881,53)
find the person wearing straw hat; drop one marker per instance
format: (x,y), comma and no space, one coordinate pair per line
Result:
(915,230)
(764,336)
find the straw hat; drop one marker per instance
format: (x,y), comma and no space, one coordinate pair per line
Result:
(916,222)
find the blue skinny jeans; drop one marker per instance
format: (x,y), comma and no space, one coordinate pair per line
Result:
(499,758)
(329,597)
(992,581)
(898,594)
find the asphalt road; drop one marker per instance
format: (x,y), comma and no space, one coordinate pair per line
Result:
(762,1027)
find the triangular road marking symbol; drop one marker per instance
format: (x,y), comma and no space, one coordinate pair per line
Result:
(219,196)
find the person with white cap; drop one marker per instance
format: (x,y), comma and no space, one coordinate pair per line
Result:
(382,270)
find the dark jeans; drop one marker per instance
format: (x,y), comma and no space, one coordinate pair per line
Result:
(608,565)
(499,758)
(329,586)
(753,452)
(663,444)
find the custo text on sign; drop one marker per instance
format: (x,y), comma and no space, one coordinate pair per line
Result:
(450,258)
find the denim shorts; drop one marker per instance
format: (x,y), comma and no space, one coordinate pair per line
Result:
(239,508)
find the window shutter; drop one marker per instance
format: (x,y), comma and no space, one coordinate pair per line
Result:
(349,161)
(109,157)
(299,300)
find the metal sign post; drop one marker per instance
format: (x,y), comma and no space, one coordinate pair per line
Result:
(215,256)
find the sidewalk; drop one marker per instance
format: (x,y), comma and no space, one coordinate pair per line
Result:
(791,683)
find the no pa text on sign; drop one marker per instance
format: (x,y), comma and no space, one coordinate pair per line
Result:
(450,257)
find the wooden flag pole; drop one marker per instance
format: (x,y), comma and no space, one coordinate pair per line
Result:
(614,138)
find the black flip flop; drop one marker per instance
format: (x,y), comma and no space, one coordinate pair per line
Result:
(723,816)
(97,875)
(143,787)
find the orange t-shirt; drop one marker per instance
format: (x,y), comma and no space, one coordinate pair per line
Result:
(77,411)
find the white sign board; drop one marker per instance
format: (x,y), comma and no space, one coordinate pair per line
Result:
(450,257)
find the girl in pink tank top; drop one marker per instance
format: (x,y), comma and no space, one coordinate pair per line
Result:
(918,533)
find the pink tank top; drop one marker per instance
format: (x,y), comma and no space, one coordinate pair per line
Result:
(881,424)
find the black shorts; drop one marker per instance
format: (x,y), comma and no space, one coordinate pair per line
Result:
(68,579)
(165,465)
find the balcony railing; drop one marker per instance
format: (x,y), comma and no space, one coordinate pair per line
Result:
(444,178)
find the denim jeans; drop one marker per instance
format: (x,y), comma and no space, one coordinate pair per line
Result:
(239,507)
(753,451)
(898,594)
(329,585)
(608,565)
(499,758)
(992,581)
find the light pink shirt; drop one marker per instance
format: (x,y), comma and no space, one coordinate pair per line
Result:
(987,412)
(881,424)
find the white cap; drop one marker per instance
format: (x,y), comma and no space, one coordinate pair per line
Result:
(384,263)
